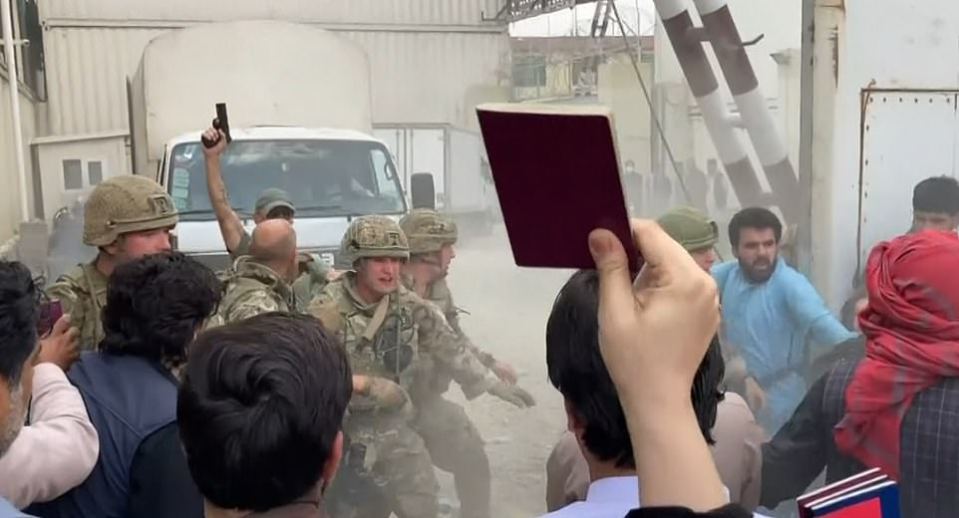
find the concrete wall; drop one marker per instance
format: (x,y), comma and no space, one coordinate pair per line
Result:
(619,89)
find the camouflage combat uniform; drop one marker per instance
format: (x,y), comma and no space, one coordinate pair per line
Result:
(454,443)
(82,292)
(117,206)
(385,451)
(313,274)
(250,289)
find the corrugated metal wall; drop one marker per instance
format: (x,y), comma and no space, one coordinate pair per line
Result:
(442,12)
(10,194)
(86,77)
(417,76)
(425,54)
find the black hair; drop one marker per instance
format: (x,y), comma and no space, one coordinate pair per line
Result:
(18,319)
(759,218)
(938,194)
(577,370)
(281,212)
(155,306)
(259,409)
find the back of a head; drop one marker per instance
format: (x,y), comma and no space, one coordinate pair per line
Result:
(938,194)
(155,306)
(18,319)
(260,407)
(754,217)
(576,369)
(273,241)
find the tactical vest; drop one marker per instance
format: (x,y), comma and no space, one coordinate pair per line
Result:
(83,292)
(391,351)
(128,398)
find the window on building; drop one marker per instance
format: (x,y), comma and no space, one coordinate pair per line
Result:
(529,71)
(31,66)
(29,56)
(95,172)
(72,174)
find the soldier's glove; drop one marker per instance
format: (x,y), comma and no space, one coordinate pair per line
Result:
(512,394)
(388,394)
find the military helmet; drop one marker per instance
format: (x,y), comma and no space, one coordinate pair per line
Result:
(373,236)
(428,231)
(126,204)
(690,228)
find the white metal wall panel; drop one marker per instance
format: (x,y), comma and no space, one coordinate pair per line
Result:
(86,77)
(417,76)
(10,197)
(916,40)
(893,163)
(441,12)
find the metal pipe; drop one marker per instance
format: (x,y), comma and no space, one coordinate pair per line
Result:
(14,83)
(758,122)
(705,88)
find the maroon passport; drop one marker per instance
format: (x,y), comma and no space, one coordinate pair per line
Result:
(556,172)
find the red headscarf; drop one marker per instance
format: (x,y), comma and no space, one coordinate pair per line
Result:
(912,341)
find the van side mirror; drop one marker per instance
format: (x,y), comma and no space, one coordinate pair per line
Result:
(422,191)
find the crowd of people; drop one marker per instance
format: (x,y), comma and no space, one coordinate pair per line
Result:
(284,388)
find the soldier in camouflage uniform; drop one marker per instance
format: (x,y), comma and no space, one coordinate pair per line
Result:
(454,443)
(391,332)
(261,282)
(126,218)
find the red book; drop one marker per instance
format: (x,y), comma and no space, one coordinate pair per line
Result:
(556,171)
(870,494)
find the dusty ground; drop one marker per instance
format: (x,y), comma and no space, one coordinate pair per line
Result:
(508,309)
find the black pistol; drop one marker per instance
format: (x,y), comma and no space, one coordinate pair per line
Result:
(222,123)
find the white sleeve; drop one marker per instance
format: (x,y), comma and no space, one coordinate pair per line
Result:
(57,450)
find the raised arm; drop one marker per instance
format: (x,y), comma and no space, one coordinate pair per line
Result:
(231,227)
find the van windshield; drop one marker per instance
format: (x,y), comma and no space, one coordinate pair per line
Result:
(322,177)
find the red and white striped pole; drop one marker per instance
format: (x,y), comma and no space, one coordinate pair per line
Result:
(720,30)
(699,74)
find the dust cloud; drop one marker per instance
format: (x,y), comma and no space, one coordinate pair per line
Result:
(508,307)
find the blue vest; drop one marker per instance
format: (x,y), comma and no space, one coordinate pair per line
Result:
(128,398)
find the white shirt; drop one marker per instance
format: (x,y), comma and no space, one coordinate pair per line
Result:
(612,497)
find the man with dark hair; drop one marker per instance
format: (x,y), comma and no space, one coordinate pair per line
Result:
(155,307)
(18,324)
(935,204)
(738,437)
(771,315)
(593,409)
(261,411)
